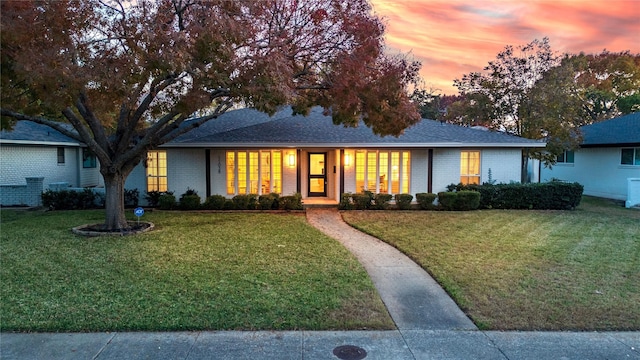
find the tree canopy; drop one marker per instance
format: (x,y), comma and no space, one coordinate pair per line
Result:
(128,74)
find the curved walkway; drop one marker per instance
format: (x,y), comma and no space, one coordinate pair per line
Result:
(414,300)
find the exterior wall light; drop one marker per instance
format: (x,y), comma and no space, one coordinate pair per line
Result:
(292,160)
(347,159)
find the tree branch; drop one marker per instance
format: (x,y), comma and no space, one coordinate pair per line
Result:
(55,125)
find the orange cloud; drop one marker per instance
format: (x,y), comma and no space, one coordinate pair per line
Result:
(455,37)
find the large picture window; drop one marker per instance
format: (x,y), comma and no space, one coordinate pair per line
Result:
(157,171)
(470,167)
(385,172)
(254,172)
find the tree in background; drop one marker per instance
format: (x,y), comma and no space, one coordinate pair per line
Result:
(130,75)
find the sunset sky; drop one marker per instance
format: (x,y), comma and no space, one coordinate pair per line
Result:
(454,37)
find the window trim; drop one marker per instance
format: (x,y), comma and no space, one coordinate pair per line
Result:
(88,159)
(564,157)
(398,163)
(635,156)
(61,155)
(275,165)
(467,175)
(161,172)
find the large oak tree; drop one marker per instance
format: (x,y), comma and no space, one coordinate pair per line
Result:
(132,75)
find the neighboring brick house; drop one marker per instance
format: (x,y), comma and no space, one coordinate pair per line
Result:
(245,151)
(607,162)
(32,151)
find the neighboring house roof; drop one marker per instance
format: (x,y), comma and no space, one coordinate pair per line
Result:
(620,131)
(30,133)
(249,128)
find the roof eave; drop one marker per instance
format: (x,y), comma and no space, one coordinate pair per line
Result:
(40,143)
(352,145)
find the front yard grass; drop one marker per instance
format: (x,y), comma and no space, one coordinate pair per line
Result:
(526,270)
(195,271)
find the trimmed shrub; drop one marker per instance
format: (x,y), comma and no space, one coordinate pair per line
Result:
(167,201)
(214,202)
(362,201)
(292,202)
(153,197)
(381,201)
(447,200)
(268,201)
(229,205)
(190,200)
(425,200)
(403,201)
(70,199)
(467,200)
(346,202)
(245,201)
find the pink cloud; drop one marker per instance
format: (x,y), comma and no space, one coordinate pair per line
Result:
(454,37)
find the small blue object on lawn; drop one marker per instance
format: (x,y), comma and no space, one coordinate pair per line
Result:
(138,212)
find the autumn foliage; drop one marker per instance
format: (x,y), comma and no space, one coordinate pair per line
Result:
(128,74)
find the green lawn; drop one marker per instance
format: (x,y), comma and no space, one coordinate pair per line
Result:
(196,271)
(527,270)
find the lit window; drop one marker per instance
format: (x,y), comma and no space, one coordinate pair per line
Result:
(630,156)
(470,167)
(88,159)
(254,172)
(567,156)
(157,171)
(386,171)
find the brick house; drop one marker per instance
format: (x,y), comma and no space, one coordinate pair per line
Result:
(245,151)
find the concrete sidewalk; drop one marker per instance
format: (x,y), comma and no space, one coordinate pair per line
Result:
(307,345)
(414,300)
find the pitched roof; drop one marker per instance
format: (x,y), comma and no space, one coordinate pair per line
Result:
(30,133)
(249,128)
(623,130)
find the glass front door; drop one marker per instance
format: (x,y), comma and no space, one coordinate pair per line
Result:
(317,174)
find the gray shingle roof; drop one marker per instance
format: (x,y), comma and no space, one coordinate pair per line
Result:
(623,130)
(236,129)
(30,132)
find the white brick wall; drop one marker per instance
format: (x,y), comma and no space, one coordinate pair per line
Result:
(598,169)
(505,165)
(186,169)
(18,162)
(446,168)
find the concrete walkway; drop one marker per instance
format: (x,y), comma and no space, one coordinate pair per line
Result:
(414,300)
(430,326)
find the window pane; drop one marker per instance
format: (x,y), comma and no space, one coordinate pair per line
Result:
(242,172)
(60,155)
(384,172)
(405,172)
(627,157)
(156,171)
(470,167)
(569,156)
(395,172)
(265,172)
(637,159)
(231,173)
(277,172)
(372,169)
(360,166)
(253,172)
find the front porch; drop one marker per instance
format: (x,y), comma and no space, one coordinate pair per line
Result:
(319,202)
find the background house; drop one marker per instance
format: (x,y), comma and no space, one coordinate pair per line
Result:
(607,162)
(245,151)
(36,151)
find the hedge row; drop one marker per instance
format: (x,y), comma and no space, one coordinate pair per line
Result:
(86,198)
(370,201)
(553,195)
(190,200)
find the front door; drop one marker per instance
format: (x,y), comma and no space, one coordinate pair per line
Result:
(317,174)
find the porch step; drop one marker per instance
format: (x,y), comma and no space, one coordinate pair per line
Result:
(319,206)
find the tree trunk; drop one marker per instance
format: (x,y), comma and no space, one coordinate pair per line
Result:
(115,219)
